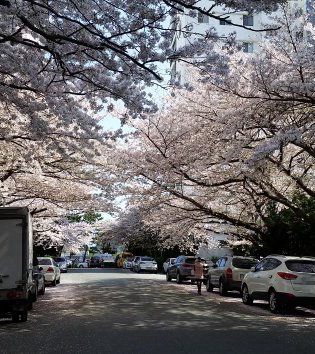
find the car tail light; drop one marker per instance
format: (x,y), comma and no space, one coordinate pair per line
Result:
(185,265)
(229,273)
(14,295)
(50,270)
(287,276)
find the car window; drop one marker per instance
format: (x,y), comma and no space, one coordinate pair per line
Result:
(222,263)
(303,266)
(173,261)
(261,265)
(244,263)
(44,261)
(59,259)
(272,263)
(190,260)
(147,259)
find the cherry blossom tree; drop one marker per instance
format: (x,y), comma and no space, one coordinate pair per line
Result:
(217,156)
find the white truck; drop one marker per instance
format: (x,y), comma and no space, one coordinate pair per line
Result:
(16,263)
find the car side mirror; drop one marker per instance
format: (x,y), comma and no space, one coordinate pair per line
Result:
(253,269)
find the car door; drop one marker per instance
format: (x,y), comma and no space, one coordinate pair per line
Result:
(257,279)
(173,268)
(266,275)
(217,271)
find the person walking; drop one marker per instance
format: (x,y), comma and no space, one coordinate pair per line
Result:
(198,273)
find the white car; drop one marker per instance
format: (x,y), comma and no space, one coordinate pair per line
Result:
(145,264)
(82,265)
(167,263)
(285,282)
(50,269)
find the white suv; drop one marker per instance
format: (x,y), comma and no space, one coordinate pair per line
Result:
(285,282)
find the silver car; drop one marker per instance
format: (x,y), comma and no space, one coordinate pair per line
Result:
(62,264)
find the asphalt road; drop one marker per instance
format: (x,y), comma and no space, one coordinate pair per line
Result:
(116,311)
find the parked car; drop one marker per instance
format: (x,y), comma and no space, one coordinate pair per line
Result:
(62,264)
(82,265)
(145,264)
(285,282)
(50,269)
(183,269)
(96,262)
(228,272)
(133,262)
(128,263)
(167,263)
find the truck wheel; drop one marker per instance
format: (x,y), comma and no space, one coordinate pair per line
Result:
(15,317)
(24,316)
(58,281)
(54,282)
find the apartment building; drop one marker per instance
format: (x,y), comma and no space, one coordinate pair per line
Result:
(189,29)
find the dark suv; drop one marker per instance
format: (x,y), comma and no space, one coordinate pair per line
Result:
(182,269)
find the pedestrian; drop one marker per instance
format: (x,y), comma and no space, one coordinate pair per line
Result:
(198,273)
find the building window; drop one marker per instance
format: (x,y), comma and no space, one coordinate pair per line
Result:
(202,18)
(248,47)
(248,20)
(225,22)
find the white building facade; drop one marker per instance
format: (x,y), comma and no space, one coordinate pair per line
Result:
(189,29)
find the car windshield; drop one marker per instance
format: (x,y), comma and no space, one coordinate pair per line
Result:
(190,260)
(244,263)
(147,259)
(301,266)
(58,259)
(44,261)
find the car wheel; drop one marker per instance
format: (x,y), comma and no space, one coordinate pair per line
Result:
(222,288)
(179,279)
(209,286)
(168,277)
(246,298)
(42,290)
(35,295)
(58,281)
(274,304)
(54,282)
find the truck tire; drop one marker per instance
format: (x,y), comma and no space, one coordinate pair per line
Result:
(24,316)
(15,317)
(54,282)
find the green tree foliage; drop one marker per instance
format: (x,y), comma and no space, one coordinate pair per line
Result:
(89,217)
(286,233)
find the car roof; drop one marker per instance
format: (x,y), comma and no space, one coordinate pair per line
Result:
(279,256)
